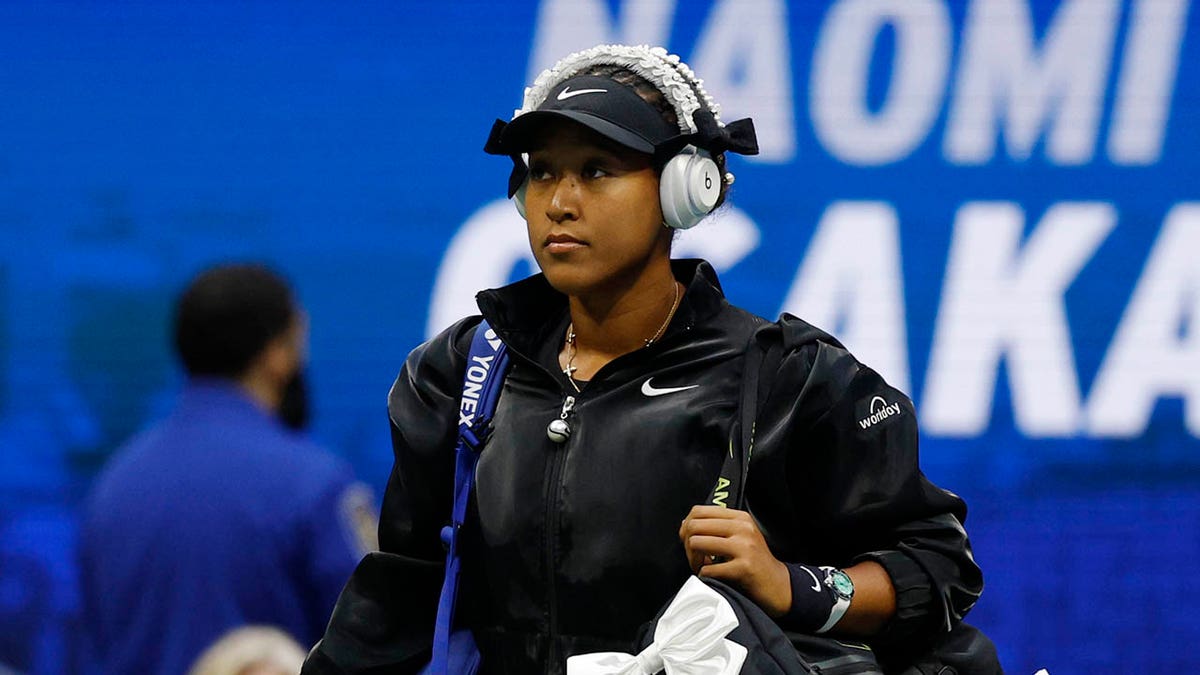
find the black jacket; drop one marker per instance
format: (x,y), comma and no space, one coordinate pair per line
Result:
(569,548)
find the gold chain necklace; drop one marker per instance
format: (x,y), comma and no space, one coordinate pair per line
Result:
(570,369)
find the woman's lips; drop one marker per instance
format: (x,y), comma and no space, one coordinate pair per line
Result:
(562,243)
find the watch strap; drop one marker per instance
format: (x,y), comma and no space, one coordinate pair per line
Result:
(840,605)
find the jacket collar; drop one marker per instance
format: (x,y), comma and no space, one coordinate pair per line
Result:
(222,398)
(527,313)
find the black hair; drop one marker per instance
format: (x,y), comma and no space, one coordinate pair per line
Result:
(652,95)
(228,315)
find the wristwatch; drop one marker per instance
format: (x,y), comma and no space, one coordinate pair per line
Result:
(843,591)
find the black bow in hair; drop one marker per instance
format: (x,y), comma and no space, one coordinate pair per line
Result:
(494,146)
(737,136)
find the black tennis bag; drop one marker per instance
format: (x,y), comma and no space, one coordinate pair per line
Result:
(770,650)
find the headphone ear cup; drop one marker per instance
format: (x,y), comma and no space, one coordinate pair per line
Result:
(519,199)
(688,188)
(519,196)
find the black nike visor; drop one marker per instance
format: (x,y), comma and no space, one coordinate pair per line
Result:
(611,109)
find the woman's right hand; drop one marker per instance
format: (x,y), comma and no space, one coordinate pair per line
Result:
(726,544)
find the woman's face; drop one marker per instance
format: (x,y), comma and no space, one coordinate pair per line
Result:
(593,210)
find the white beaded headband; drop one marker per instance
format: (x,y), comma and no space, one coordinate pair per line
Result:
(666,72)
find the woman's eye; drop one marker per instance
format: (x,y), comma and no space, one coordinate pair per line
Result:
(594,171)
(538,172)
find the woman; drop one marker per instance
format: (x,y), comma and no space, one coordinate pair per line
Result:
(581,530)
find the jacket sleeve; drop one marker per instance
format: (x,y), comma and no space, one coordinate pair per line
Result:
(839,482)
(383,620)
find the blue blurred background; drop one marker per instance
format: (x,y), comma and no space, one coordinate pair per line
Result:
(994,202)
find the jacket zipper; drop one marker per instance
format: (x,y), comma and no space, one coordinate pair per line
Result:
(552,514)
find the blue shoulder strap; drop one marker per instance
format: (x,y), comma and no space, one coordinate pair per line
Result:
(487,364)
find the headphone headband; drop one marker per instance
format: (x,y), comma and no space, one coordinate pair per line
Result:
(666,72)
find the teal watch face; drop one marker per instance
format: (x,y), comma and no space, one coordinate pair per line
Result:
(841,584)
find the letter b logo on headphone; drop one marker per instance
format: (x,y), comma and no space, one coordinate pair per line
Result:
(687,188)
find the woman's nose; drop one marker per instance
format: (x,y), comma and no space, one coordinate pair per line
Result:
(564,201)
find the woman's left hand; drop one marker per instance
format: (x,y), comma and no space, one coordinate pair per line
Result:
(726,544)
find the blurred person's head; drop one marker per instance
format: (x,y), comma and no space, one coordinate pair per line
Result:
(252,650)
(242,323)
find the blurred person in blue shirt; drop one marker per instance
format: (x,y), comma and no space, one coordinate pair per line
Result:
(223,514)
